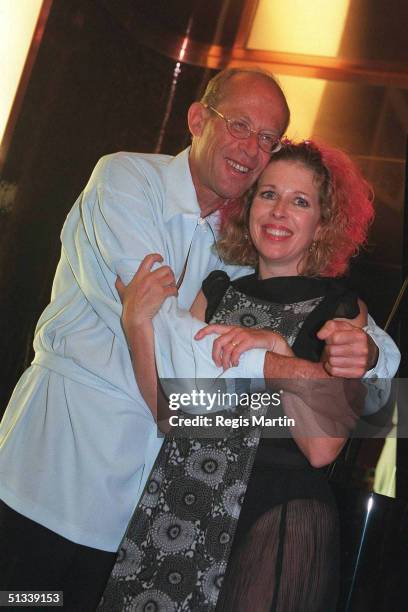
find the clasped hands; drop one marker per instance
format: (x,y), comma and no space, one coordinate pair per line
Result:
(349,351)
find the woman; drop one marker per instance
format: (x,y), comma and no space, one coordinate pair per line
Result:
(306,217)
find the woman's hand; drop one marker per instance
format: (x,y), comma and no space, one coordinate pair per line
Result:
(145,293)
(235,340)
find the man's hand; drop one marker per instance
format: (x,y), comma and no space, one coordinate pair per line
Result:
(146,292)
(349,351)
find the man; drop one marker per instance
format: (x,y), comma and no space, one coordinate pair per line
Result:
(77,441)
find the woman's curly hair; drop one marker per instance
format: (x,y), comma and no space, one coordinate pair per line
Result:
(347,211)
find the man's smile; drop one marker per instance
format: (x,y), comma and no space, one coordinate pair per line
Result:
(239,167)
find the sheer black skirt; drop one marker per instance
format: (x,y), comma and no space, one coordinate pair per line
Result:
(285,555)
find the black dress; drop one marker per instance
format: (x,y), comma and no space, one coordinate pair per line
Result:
(238,523)
(285,552)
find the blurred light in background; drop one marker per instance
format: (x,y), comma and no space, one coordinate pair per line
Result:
(304,95)
(309,28)
(299,26)
(18,19)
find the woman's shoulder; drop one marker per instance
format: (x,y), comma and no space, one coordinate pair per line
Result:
(215,281)
(214,288)
(219,280)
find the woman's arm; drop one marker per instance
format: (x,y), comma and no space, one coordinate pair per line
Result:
(199,306)
(328,407)
(141,344)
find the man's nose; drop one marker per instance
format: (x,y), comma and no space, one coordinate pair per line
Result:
(250,145)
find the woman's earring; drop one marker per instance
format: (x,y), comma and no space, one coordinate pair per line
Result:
(313,246)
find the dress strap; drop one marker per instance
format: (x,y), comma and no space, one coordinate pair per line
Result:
(214,287)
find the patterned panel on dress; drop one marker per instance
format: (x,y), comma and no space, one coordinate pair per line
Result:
(237,308)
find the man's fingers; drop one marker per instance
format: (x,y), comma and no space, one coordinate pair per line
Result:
(333,326)
(148,261)
(164,274)
(350,338)
(340,372)
(145,266)
(120,288)
(347,350)
(325,331)
(170,291)
(344,362)
(352,343)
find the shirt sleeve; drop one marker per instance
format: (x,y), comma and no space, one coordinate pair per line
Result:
(122,222)
(179,355)
(388,354)
(378,379)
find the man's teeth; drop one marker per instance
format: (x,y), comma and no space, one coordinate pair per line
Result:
(277,232)
(243,169)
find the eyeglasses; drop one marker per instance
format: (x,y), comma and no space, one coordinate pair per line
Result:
(238,128)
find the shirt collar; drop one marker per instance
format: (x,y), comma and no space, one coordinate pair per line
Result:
(181,197)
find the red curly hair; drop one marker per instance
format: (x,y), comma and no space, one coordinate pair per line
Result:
(345,199)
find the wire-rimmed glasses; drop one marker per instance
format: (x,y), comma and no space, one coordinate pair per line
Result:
(239,128)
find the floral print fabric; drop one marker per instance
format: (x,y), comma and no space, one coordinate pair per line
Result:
(175,552)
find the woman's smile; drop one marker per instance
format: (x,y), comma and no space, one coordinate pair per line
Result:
(276,232)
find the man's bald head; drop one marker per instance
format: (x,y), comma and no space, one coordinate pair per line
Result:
(219,86)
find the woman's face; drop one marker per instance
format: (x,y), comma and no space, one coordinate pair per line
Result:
(284,218)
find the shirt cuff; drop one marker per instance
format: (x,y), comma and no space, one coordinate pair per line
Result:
(388,356)
(251,365)
(380,366)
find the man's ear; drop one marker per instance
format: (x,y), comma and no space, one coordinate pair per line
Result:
(196,117)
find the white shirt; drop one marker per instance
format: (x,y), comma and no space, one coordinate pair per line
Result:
(77,441)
